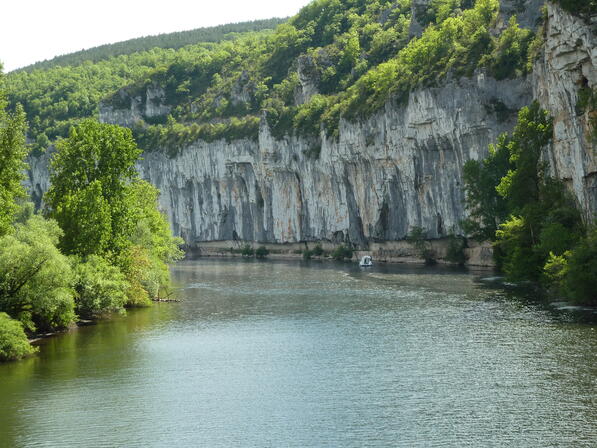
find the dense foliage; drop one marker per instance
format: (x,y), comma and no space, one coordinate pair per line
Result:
(357,54)
(12,155)
(35,278)
(100,287)
(13,340)
(107,221)
(57,97)
(341,253)
(169,40)
(537,229)
(90,176)
(487,209)
(106,211)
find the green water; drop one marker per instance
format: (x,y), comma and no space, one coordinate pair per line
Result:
(312,355)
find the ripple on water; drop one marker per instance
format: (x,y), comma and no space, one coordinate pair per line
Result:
(280,354)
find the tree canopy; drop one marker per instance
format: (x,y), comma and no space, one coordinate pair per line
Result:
(12,159)
(90,176)
(531,217)
(358,54)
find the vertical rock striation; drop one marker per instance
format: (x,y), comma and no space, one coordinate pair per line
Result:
(399,169)
(567,64)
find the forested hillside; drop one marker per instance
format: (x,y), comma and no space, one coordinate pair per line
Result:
(168,40)
(356,54)
(59,93)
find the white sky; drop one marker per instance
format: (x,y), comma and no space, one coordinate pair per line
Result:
(34,30)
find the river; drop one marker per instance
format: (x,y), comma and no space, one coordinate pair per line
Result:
(282,354)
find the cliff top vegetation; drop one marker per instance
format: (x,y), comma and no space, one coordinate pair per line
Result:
(335,59)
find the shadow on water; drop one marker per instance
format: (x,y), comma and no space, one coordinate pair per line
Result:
(77,356)
(533,296)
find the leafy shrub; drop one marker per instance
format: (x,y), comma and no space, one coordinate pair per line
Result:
(35,278)
(581,275)
(261,252)
(13,340)
(342,252)
(456,246)
(556,269)
(247,251)
(417,237)
(318,250)
(100,287)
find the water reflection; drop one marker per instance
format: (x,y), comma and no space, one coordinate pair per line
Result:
(312,354)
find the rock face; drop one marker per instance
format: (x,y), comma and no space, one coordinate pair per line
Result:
(569,63)
(128,110)
(399,169)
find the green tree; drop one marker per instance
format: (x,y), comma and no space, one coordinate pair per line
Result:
(86,218)
(99,287)
(486,208)
(12,159)
(35,278)
(13,340)
(90,176)
(106,210)
(532,134)
(510,54)
(152,241)
(544,218)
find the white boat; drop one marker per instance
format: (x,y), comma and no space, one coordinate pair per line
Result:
(366,262)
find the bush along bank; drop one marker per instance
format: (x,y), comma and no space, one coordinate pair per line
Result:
(100,247)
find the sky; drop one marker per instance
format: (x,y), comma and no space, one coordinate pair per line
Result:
(34,30)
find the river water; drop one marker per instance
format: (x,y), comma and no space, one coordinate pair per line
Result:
(276,354)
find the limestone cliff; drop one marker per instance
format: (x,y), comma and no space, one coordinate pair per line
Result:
(399,169)
(567,64)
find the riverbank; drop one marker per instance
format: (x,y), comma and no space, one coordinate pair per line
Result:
(476,254)
(88,322)
(295,354)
